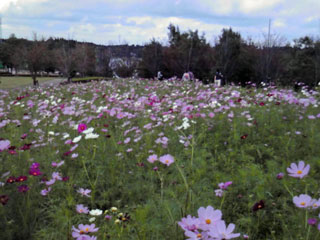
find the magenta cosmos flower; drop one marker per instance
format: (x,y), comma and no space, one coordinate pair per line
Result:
(166,159)
(298,171)
(303,201)
(82,127)
(208,217)
(23,188)
(224,185)
(221,231)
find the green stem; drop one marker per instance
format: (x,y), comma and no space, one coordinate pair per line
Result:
(222,201)
(183,177)
(161,186)
(286,187)
(306,219)
(86,172)
(308,233)
(192,147)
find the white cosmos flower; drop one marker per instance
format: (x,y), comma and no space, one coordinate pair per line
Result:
(95,212)
(65,135)
(89,130)
(51,133)
(77,139)
(92,219)
(91,136)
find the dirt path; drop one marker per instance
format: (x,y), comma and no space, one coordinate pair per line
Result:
(54,81)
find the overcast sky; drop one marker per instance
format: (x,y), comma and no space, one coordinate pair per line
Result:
(137,21)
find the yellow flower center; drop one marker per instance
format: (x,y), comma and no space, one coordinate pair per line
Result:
(302,203)
(87,229)
(208,221)
(167,161)
(199,235)
(299,172)
(315,205)
(81,232)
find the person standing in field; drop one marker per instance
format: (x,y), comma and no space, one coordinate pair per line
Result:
(159,75)
(218,78)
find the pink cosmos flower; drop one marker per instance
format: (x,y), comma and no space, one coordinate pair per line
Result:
(54,164)
(4,145)
(166,159)
(314,204)
(221,231)
(208,217)
(23,188)
(194,235)
(82,209)
(219,192)
(224,185)
(84,192)
(82,127)
(152,158)
(303,201)
(50,182)
(298,171)
(189,223)
(83,229)
(44,192)
(56,176)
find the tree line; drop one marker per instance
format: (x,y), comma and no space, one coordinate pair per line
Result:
(239,60)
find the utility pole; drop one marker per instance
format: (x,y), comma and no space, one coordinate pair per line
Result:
(0,29)
(268,54)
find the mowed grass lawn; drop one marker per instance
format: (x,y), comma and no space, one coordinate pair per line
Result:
(13,82)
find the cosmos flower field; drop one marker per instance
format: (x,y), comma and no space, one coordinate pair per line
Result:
(142,159)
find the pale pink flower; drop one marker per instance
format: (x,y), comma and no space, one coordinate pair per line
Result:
(82,209)
(303,201)
(83,229)
(44,192)
(194,235)
(50,182)
(221,231)
(56,176)
(166,159)
(315,203)
(219,192)
(152,158)
(84,192)
(298,171)
(189,223)
(4,145)
(208,217)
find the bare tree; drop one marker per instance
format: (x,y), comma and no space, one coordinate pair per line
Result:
(66,59)
(35,57)
(86,59)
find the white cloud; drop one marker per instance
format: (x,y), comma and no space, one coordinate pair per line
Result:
(137,21)
(279,23)
(251,6)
